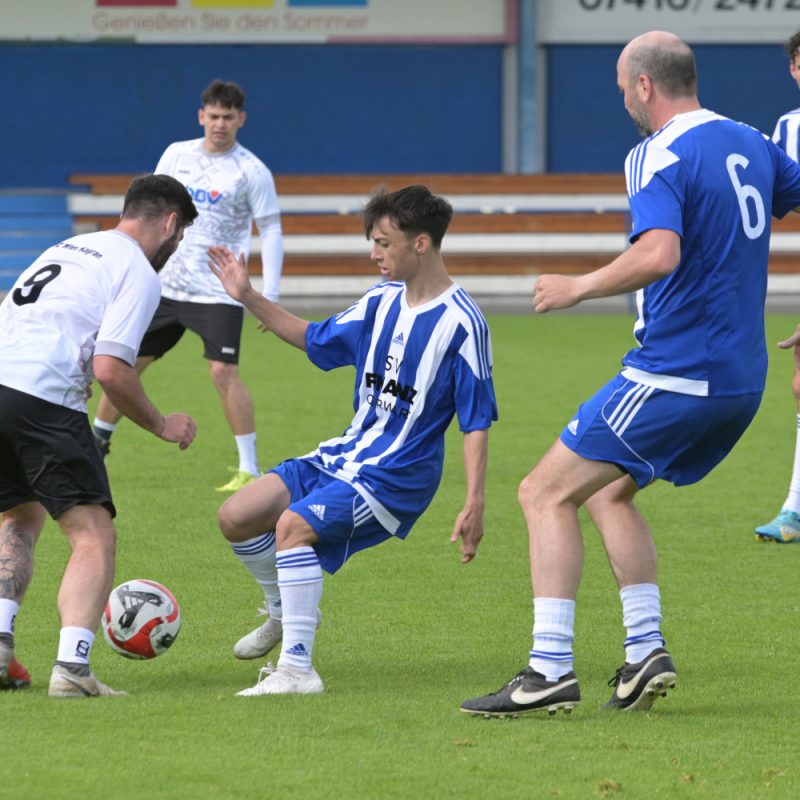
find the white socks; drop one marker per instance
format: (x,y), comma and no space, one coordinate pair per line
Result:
(641,615)
(248,460)
(553,634)
(8,613)
(793,500)
(74,645)
(258,555)
(300,581)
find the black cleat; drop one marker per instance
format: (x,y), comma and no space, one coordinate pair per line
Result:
(104,445)
(527,692)
(636,686)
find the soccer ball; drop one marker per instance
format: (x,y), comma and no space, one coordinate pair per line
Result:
(141,620)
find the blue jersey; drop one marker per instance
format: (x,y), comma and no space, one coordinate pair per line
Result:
(415,368)
(716,183)
(785,134)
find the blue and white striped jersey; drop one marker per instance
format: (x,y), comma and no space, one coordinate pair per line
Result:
(415,368)
(716,183)
(785,134)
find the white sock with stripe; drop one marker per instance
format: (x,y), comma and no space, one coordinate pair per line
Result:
(258,555)
(553,634)
(641,615)
(300,582)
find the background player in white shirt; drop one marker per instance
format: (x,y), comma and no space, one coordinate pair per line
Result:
(702,191)
(231,187)
(785,527)
(78,312)
(422,353)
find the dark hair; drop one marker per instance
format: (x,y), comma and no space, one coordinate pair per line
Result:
(223,93)
(671,67)
(792,46)
(414,209)
(152,196)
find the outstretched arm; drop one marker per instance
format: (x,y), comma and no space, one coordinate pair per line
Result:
(655,254)
(469,523)
(232,274)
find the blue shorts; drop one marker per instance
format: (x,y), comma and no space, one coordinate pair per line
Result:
(652,433)
(338,514)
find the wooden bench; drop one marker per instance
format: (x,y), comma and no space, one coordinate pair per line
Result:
(504,224)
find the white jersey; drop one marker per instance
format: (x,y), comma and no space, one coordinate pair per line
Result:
(229,190)
(93,294)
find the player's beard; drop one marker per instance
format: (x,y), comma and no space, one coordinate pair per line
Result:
(167,248)
(640,118)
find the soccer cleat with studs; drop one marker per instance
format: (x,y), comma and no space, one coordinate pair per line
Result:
(12,674)
(261,641)
(264,638)
(64,683)
(784,529)
(103,445)
(637,686)
(526,692)
(284,680)
(240,479)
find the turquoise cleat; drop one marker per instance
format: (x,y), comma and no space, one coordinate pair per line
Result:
(784,529)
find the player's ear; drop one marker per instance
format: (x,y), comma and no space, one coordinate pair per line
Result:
(201,116)
(242,118)
(422,244)
(171,223)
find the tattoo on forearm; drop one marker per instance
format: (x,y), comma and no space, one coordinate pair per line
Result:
(16,560)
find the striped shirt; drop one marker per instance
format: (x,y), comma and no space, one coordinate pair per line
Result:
(415,368)
(785,134)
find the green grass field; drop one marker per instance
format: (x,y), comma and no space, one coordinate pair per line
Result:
(409,633)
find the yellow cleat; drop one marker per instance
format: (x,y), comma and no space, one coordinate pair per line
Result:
(240,479)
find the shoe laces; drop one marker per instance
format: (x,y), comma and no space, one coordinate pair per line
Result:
(265,672)
(617,676)
(513,682)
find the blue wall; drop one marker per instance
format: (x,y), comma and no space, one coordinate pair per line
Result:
(339,108)
(588,129)
(369,109)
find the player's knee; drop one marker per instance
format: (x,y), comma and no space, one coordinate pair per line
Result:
(29,517)
(230,521)
(528,491)
(293,531)
(222,374)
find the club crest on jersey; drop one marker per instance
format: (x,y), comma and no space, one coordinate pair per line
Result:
(210,196)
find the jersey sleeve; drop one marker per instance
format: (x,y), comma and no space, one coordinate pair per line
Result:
(656,190)
(128,315)
(476,404)
(261,193)
(166,164)
(335,342)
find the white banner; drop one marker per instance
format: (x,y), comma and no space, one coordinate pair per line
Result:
(695,21)
(256,21)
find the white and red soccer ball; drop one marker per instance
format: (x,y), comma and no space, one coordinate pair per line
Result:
(142,619)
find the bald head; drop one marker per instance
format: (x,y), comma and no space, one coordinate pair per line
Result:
(667,60)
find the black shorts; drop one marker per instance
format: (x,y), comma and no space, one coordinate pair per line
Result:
(48,453)
(219,325)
